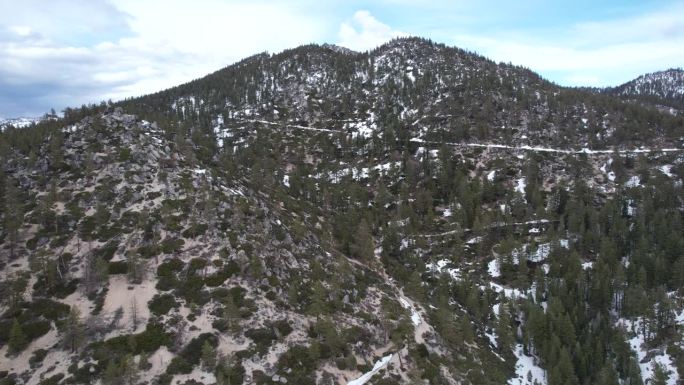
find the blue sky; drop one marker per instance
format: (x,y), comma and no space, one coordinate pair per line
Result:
(62,53)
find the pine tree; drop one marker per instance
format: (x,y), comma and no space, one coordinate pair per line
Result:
(466,329)
(318,303)
(504,330)
(362,245)
(17,339)
(111,375)
(208,356)
(13,214)
(73,330)
(659,376)
(231,313)
(129,371)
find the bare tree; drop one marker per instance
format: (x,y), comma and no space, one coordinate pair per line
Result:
(134,313)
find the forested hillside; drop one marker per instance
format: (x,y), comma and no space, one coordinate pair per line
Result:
(416,214)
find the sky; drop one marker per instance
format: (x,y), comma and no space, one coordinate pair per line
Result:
(59,53)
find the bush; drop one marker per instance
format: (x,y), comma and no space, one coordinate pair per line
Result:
(37,358)
(107,251)
(238,294)
(166,283)
(190,356)
(231,268)
(196,264)
(195,230)
(297,365)
(283,327)
(54,380)
(171,245)
(116,348)
(262,337)
(162,304)
(191,290)
(148,251)
(49,309)
(60,289)
(35,329)
(118,267)
(124,154)
(168,268)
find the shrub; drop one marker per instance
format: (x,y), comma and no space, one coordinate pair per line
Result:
(166,283)
(54,380)
(195,230)
(35,329)
(297,365)
(168,268)
(37,358)
(124,154)
(229,269)
(49,309)
(115,348)
(190,356)
(283,327)
(148,251)
(107,251)
(196,264)
(162,304)
(262,337)
(171,245)
(117,267)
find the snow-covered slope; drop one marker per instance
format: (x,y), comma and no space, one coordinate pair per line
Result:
(668,84)
(18,122)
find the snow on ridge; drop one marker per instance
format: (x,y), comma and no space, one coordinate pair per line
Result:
(21,122)
(551,150)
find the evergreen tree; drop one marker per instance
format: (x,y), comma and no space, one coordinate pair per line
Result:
(659,376)
(208,356)
(17,339)
(74,333)
(13,214)
(504,330)
(362,245)
(129,371)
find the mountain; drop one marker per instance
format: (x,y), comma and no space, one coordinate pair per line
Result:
(459,94)
(667,84)
(18,122)
(663,89)
(416,214)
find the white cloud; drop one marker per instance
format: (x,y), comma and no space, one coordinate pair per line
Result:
(365,32)
(126,48)
(593,53)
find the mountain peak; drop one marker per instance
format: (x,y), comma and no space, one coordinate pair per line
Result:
(667,84)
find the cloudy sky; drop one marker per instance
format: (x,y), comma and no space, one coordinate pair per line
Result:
(58,53)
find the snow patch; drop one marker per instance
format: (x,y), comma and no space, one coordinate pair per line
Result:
(415,316)
(380,364)
(494,269)
(526,364)
(520,185)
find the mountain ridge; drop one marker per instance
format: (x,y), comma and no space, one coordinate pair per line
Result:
(415,214)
